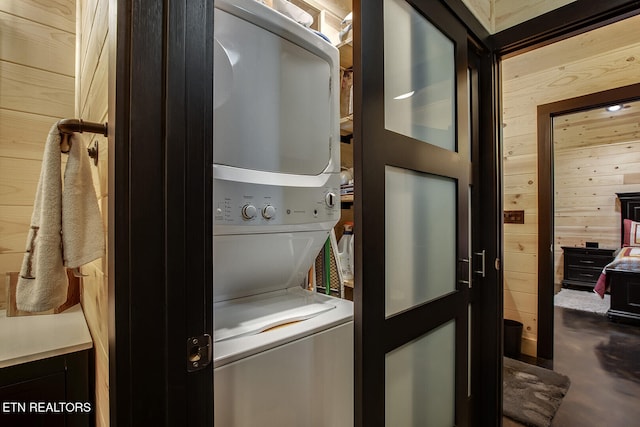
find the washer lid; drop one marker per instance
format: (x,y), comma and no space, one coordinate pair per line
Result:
(262,314)
(320,313)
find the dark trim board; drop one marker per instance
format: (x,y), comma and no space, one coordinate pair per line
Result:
(567,21)
(160,190)
(546,113)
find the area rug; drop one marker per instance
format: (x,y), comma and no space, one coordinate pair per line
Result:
(531,395)
(582,300)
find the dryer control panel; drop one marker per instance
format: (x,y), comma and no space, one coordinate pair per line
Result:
(248,204)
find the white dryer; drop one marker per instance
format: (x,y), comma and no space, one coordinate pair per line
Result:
(283,355)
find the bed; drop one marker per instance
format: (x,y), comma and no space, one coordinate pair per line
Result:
(622,276)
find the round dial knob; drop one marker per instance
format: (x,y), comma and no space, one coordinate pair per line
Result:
(249,211)
(268,212)
(330,199)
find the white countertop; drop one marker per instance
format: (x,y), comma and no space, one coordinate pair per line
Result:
(27,338)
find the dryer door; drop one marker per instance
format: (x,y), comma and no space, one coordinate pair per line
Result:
(273,102)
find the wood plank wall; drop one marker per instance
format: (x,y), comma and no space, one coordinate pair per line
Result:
(37,57)
(586,207)
(602,59)
(498,15)
(38,86)
(91,105)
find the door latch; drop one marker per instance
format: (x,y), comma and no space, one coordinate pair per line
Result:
(198,352)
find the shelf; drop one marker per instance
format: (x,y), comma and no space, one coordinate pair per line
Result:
(346,125)
(346,53)
(346,201)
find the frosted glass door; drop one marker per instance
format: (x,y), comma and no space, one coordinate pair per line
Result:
(419,77)
(420,245)
(420,378)
(412,328)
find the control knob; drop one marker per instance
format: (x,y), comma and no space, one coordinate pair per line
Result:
(249,211)
(330,199)
(268,212)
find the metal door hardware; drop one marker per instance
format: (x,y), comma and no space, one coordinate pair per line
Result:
(482,271)
(198,352)
(466,262)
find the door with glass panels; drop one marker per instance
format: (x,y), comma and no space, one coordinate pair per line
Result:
(413,188)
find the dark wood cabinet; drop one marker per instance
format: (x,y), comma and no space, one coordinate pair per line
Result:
(56,391)
(582,266)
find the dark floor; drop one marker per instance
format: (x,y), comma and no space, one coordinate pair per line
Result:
(602,359)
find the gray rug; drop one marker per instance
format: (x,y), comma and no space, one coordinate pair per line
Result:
(582,300)
(531,394)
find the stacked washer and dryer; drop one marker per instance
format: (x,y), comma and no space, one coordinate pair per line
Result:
(283,355)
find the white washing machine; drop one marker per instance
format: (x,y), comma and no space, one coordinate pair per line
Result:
(283,355)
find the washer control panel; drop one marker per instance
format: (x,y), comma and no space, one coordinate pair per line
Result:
(239,203)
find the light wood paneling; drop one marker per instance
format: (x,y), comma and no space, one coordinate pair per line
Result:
(35,91)
(522,263)
(521,302)
(509,13)
(18,181)
(483,11)
(36,88)
(599,60)
(36,45)
(14,224)
(92,100)
(521,243)
(498,15)
(59,14)
(22,135)
(587,178)
(93,104)
(95,60)
(519,282)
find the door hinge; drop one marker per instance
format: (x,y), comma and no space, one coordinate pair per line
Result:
(199,352)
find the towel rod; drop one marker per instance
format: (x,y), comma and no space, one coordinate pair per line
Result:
(78,125)
(69,126)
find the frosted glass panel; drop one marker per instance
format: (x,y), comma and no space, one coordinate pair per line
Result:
(420,238)
(419,77)
(420,381)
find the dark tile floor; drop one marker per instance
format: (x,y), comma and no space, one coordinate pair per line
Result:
(602,359)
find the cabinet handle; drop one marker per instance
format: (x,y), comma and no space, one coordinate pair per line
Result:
(586,275)
(586,261)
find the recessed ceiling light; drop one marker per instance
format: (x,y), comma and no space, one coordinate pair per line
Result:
(405,95)
(613,108)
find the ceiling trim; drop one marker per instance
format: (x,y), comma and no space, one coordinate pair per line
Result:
(567,21)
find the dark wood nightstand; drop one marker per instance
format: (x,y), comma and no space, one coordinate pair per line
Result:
(582,266)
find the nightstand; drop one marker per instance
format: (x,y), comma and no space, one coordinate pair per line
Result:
(582,266)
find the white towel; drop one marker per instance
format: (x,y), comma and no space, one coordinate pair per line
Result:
(42,284)
(82,231)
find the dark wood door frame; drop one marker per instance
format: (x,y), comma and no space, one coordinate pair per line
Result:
(160,192)
(546,113)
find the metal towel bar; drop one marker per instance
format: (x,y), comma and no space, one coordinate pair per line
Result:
(69,126)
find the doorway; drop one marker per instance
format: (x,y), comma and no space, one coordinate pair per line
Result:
(557,71)
(547,239)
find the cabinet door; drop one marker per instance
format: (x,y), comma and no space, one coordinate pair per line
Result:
(17,400)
